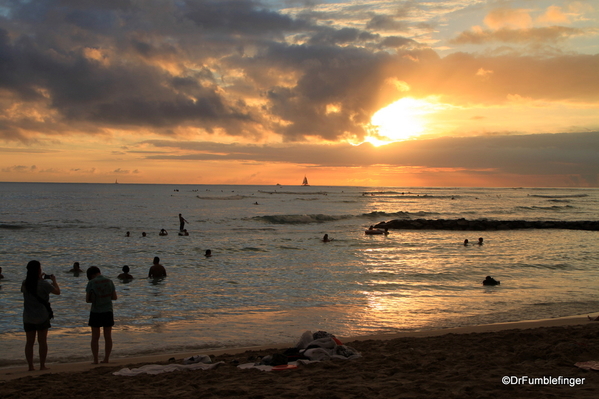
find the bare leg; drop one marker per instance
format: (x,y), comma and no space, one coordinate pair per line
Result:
(107,343)
(94,345)
(42,340)
(29,348)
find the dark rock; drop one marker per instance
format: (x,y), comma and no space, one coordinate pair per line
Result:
(484,224)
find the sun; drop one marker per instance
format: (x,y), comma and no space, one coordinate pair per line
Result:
(399,121)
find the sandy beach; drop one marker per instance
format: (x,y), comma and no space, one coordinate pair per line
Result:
(470,362)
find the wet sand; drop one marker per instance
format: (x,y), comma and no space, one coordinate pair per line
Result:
(468,362)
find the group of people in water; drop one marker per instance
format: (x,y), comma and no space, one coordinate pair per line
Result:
(182,230)
(480,241)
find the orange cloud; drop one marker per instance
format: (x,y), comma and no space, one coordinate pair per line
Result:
(553,15)
(510,18)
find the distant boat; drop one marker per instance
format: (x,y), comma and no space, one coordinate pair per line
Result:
(116,181)
(305,182)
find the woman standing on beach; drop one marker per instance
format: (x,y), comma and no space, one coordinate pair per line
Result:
(36,311)
(100,292)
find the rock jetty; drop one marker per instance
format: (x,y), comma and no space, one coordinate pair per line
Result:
(484,224)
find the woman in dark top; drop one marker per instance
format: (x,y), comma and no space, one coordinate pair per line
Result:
(36,311)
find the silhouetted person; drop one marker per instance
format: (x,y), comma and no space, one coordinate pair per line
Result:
(37,311)
(125,274)
(182,222)
(76,269)
(100,292)
(490,281)
(157,270)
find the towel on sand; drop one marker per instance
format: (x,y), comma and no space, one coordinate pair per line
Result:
(590,365)
(164,368)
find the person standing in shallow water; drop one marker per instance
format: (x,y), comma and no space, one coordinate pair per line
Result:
(182,222)
(157,270)
(36,315)
(100,292)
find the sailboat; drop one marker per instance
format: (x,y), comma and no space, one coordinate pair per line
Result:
(305,182)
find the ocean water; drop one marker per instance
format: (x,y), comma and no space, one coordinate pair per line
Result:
(271,277)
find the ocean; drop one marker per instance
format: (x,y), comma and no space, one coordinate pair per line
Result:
(271,277)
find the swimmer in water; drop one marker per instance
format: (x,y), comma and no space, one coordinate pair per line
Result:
(490,281)
(125,274)
(76,269)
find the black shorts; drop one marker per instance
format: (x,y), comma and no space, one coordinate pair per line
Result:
(104,319)
(37,327)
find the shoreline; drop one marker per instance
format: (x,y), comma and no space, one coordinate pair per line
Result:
(11,373)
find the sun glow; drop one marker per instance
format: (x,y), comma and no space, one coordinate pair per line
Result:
(399,121)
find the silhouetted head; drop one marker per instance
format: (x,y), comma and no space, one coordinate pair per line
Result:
(34,268)
(156,260)
(125,269)
(92,271)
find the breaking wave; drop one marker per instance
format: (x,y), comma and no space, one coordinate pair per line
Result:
(300,219)
(231,197)
(559,196)
(546,208)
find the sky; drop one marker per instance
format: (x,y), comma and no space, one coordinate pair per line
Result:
(454,93)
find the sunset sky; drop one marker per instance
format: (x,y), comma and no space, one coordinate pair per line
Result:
(373,93)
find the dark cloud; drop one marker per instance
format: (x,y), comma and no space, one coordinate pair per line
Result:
(233,17)
(397,42)
(332,37)
(538,154)
(384,22)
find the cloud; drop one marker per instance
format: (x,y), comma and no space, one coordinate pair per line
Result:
(124,171)
(552,34)
(239,70)
(537,154)
(553,15)
(20,169)
(508,18)
(385,22)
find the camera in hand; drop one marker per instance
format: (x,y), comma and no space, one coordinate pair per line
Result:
(48,276)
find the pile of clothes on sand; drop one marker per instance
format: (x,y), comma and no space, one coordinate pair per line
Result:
(312,347)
